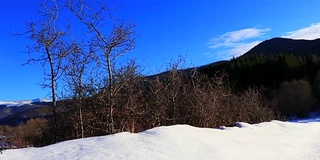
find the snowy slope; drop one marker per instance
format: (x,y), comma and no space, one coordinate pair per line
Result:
(274,140)
(40,100)
(23,102)
(14,103)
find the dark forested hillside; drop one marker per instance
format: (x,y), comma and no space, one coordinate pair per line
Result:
(276,46)
(272,62)
(267,71)
(288,70)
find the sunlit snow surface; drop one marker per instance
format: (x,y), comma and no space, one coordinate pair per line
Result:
(273,140)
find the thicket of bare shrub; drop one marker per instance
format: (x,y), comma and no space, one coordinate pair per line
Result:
(31,133)
(175,97)
(140,103)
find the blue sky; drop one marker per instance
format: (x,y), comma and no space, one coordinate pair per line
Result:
(201,31)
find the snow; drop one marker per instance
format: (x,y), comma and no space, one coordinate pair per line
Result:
(265,141)
(14,103)
(22,102)
(39,100)
(7,103)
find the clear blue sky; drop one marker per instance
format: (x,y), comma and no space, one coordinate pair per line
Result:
(203,31)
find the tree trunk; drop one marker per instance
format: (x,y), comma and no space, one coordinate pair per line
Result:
(111,93)
(53,92)
(81,121)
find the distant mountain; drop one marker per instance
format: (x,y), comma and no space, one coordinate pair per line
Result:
(277,46)
(274,46)
(270,63)
(25,102)
(15,112)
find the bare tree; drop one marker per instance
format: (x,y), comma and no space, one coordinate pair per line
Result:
(112,43)
(48,41)
(74,74)
(77,75)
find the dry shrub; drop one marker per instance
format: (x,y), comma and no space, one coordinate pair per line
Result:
(31,133)
(296,98)
(197,100)
(252,107)
(174,97)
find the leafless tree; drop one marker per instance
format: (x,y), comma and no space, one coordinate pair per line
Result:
(111,41)
(78,78)
(48,41)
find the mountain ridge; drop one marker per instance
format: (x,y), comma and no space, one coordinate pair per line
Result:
(272,47)
(15,112)
(278,45)
(17,103)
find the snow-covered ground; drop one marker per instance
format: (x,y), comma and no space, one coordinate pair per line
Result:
(273,140)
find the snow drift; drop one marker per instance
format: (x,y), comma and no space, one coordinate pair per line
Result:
(273,140)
